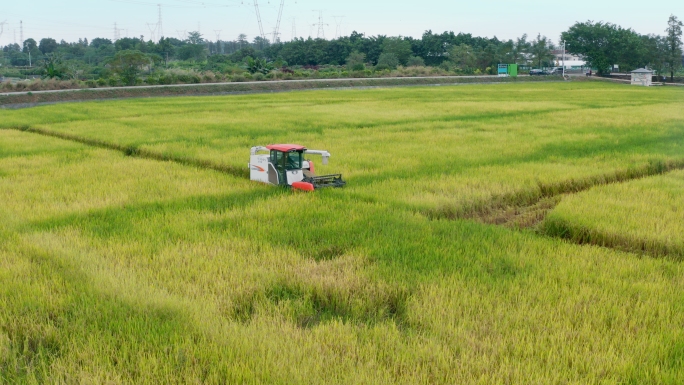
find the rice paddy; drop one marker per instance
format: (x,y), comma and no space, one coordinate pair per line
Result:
(117,266)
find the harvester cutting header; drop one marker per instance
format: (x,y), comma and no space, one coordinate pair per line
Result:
(284,165)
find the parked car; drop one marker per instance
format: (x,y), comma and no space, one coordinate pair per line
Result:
(556,71)
(537,72)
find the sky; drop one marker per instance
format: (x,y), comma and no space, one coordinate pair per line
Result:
(74,19)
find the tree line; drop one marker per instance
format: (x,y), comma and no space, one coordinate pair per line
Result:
(602,45)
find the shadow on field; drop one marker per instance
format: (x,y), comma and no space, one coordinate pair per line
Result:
(121,221)
(131,150)
(40,332)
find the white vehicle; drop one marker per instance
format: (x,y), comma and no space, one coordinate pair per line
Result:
(284,165)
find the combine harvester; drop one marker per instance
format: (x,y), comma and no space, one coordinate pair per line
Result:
(285,165)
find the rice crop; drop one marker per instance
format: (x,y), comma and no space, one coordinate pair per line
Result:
(643,215)
(131,267)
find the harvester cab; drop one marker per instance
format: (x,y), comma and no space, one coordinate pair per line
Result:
(284,165)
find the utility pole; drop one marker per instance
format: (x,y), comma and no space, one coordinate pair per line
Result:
(294,29)
(29,52)
(21,31)
(321,31)
(564,59)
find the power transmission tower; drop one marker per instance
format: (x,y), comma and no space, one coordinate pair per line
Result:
(21,31)
(152,30)
(218,40)
(117,32)
(261,27)
(183,35)
(338,24)
(160,28)
(277,28)
(2,27)
(321,31)
(294,28)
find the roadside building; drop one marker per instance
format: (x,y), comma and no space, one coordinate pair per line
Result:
(642,77)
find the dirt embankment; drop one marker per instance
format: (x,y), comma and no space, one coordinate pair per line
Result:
(28,99)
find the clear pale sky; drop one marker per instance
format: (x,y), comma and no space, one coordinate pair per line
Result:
(71,19)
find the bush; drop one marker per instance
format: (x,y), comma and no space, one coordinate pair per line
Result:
(388,60)
(355,61)
(258,76)
(114,81)
(101,82)
(238,78)
(415,61)
(91,83)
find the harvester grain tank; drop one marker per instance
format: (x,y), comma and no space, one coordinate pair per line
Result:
(284,165)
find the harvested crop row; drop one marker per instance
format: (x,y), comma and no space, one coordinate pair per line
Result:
(641,216)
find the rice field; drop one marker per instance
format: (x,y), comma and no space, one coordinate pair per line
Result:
(644,215)
(116,267)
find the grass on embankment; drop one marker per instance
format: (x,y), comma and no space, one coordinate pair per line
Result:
(643,216)
(122,270)
(27,98)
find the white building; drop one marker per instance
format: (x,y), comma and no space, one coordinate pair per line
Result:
(642,77)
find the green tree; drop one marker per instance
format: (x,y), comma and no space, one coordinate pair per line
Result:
(195,37)
(656,52)
(196,52)
(53,67)
(258,66)
(356,61)
(387,60)
(129,64)
(673,45)
(48,45)
(398,47)
(415,61)
(520,48)
(541,48)
(463,56)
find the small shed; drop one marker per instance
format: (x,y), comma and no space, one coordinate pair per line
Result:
(642,77)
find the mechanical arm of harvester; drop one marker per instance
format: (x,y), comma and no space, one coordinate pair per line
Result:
(324,154)
(256,149)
